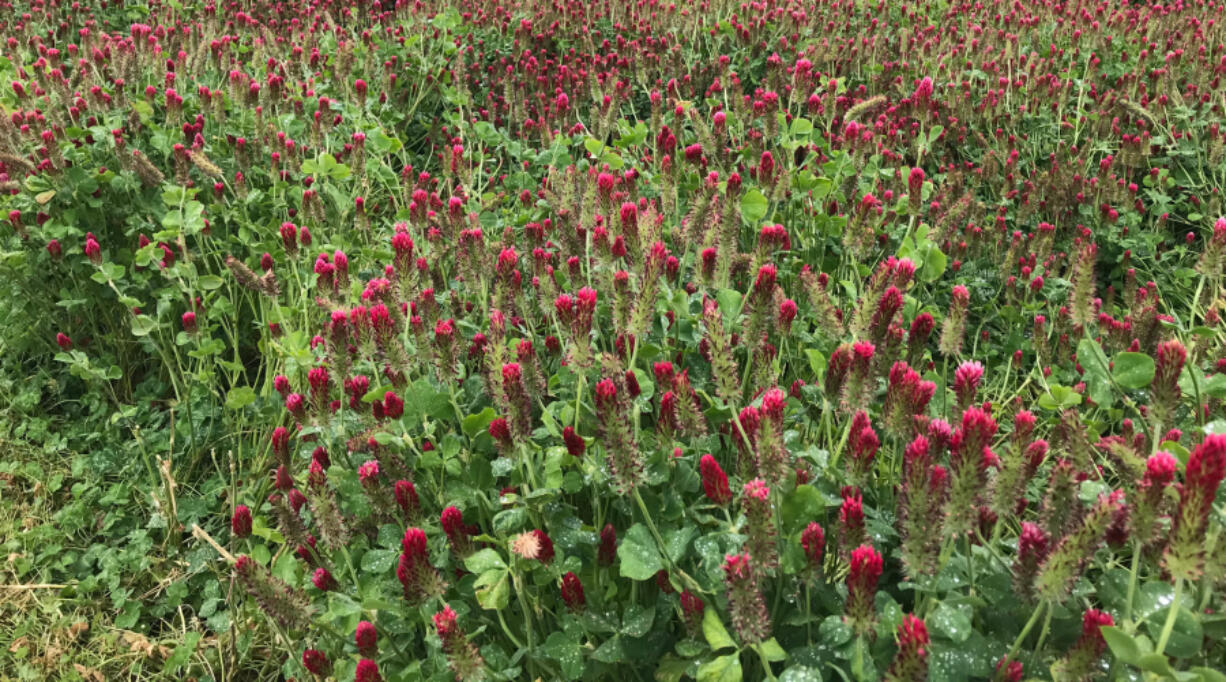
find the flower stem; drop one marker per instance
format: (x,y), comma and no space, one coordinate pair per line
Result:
(1169,625)
(651,525)
(1043,631)
(1021,637)
(970,560)
(766,666)
(690,583)
(1132,584)
(357,586)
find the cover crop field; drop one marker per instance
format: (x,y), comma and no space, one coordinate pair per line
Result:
(516,339)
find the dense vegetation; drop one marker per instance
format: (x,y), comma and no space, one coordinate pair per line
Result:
(788,339)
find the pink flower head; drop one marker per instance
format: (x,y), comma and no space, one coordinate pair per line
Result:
(1008,671)
(414,543)
(575,444)
(911,661)
(978,428)
(289,238)
(865,571)
(544,552)
(368,472)
(500,431)
(1023,425)
(851,514)
(765,282)
(1160,469)
(1185,553)
(966,381)
(692,608)
(367,671)
(629,214)
(572,592)
(813,541)
(866,567)
(240,522)
(757,490)
(406,497)
(445,622)
(787,313)
(961,296)
(714,481)
(664,373)
(774,401)
(606,552)
(393,405)
(316,662)
(606,394)
(366,639)
(915,183)
(458,532)
(1092,621)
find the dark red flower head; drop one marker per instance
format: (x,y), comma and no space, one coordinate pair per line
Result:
(714,481)
(240,523)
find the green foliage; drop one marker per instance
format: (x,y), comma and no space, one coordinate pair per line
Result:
(336,269)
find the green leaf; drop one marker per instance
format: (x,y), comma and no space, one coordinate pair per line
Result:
(934,133)
(1059,397)
(723,669)
(833,631)
(593,146)
(801,673)
(142,325)
(1208,674)
(771,650)
(1133,370)
(822,187)
(1155,663)
(485,560)
(209,282)
(637,620)
(379,560)
(801,127)
(640,559)
(182,653)
(932,265)
(1123,646)
(817,362)
(447,21)
(474,424)
(671,669)
(239,397)
(493,589)
(1186,636)
(729,305)
(567,652)
(753,206)
(715,633)
(612,651)
(951,622)
(801,506)
(1098,384)
(677,540)
(1215,386)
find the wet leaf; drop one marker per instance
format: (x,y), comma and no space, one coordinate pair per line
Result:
(638,556)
